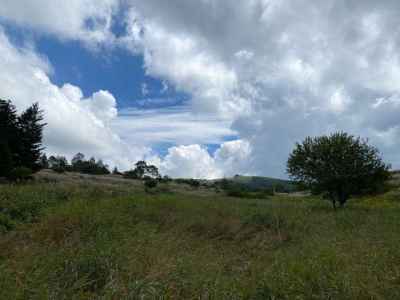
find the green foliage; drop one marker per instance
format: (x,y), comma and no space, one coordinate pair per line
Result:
(255,183)
(6,223)
(150,183)
(235,189)
(58,164)
(20,138)
(192,182)
(9,129)
(339,166)
(116,172)
(166,179)
(81,165)
(142,170)
(6,161)
(30,135)
(43,161)
(20,174)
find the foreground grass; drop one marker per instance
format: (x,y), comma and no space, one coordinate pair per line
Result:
(87,241)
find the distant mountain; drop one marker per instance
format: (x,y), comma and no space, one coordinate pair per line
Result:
(260,183)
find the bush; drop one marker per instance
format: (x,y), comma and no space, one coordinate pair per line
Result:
(166,179)
(150,183)
(192,182)
(59,169)
(6,223)
(21,174)
(243,193)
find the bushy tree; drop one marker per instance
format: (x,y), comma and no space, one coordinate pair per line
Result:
(143,170)
(77,159)
(338,166)
(150,183)
(91,166)
(44,162)
(58,164)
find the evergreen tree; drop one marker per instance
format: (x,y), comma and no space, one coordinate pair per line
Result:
(9,141)
(44,162)
(6,161)
(30,133)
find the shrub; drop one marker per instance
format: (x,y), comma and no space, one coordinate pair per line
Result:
(21,174)
(6,223)
(59,169)
(150,183)
(192,182)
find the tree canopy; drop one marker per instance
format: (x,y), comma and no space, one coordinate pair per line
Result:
(20,137)
(339,166)
(143,170)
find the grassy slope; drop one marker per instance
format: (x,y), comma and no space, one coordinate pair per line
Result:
(84,240)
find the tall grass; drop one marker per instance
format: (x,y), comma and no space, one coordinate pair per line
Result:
(74,241)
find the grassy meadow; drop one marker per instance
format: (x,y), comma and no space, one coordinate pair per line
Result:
(77,238)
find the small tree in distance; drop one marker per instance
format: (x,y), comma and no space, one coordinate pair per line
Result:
(143,170)
(337,166)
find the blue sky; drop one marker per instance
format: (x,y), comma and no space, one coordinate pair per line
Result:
(117,70)
(203,88)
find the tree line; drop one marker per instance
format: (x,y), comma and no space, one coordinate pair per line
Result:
(21,149)
(337,166)
(78,164)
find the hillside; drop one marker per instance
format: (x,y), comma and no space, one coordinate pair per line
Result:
(258,182)
(71,236)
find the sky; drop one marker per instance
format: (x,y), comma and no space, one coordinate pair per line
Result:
(203,88)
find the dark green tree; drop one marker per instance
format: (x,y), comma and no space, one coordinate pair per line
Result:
(143,170)
(338,166)
(9,141)
(116,172)
(30,128)
(58,164)
(77,159)
(43,161)
(93,167)
(6,161)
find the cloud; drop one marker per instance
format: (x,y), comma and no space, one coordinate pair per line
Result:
(271,72)
(165,87)
(87,20)
(145,89)
(176,125)
(279,70)
(195,161)
(74,123)
(191,161)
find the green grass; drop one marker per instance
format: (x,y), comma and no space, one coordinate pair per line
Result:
(91,241)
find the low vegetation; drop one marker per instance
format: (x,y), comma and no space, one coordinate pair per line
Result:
(66,237)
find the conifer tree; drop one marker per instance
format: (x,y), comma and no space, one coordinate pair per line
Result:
(31,132)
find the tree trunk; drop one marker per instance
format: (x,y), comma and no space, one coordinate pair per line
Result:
(342,199)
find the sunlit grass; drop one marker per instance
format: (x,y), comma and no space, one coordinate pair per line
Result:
(88,241)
